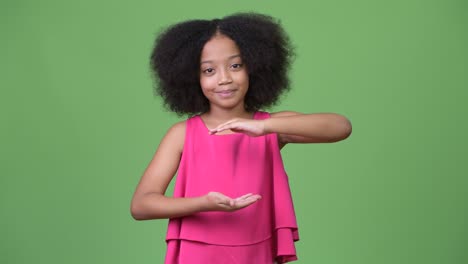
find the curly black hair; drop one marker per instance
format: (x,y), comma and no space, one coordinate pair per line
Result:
(265,50)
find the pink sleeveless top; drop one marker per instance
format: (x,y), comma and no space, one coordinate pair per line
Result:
(235,164)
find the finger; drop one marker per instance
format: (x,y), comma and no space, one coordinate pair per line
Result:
(244,203)
(243,196)
(255,197)
(247,201)
(229,122)
(223,127)
(248,196)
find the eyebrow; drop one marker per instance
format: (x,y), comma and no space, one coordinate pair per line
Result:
(229,58)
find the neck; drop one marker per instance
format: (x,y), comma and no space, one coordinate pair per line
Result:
(223,114)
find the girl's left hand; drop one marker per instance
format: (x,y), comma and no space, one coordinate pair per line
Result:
(253,128)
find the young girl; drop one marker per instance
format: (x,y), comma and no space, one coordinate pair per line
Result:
(231,202)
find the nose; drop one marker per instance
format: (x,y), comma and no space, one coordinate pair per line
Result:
(224,77)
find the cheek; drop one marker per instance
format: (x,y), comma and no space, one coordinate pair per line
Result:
(206,83)
(244,79)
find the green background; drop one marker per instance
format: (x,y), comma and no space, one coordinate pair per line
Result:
(79,124)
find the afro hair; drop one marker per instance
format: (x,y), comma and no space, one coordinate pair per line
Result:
(264,46)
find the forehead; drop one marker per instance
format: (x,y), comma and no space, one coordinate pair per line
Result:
(220,47)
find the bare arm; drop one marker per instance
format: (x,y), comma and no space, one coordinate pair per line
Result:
(294,127)
(149,200)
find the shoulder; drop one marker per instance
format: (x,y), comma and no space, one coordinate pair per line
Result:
(175,135)
(178,127)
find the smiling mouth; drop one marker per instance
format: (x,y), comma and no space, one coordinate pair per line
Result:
(225,93)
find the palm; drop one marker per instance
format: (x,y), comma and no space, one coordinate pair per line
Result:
(221,202)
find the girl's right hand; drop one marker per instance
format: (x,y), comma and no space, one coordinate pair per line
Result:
(216,201)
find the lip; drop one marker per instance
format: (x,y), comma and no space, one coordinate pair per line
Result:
(226,93)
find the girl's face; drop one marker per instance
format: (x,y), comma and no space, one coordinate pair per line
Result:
(223,77)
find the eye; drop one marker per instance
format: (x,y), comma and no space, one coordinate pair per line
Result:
(236,65)
(208,71)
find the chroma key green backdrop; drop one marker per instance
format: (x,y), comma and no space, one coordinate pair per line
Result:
(79,124)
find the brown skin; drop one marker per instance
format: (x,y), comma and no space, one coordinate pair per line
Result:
(224,81)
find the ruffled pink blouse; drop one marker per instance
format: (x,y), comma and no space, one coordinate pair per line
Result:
(234,164)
